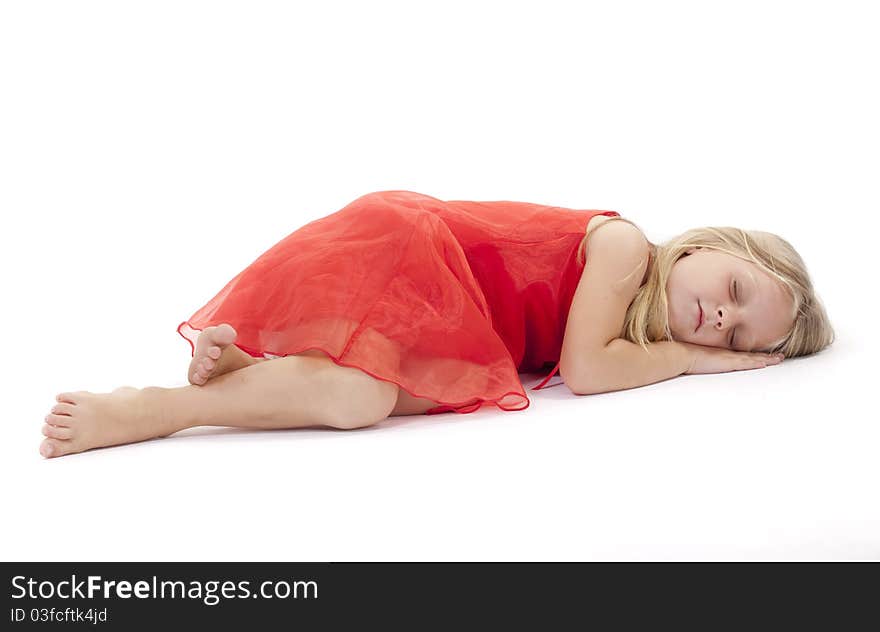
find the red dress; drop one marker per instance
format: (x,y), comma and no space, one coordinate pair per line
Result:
(449,300)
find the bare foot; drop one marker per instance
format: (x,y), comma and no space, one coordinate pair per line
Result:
(209,348)
(82,420)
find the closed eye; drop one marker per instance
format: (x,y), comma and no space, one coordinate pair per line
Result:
(733,332)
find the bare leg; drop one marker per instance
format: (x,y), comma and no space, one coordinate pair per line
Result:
(295,391)
(216,341)
(409,405)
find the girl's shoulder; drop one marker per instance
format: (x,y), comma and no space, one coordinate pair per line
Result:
(631,233)
(595,221)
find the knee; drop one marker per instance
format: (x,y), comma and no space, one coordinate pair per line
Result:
(348,418)
(351,423)
(363,401)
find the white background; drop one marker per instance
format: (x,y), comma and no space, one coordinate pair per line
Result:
(149,151)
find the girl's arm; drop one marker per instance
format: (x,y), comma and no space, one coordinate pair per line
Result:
(624,364)
(593,358)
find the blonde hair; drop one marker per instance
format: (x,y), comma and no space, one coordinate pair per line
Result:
(646,317)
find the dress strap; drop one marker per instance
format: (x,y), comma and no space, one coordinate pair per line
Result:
(547,379)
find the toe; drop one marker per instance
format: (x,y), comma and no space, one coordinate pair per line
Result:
(214,352)
(51,448)
(57,432)
(72,397)
(225,334)
(59,420)
(63,408)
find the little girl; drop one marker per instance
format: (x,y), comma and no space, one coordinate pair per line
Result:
(403,304)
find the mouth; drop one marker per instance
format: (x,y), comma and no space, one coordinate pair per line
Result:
(699,316)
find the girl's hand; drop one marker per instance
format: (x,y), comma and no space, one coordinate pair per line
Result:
(719,360)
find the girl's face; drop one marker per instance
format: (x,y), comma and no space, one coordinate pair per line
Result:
(744,308)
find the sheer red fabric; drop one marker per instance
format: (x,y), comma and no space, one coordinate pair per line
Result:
(449,300)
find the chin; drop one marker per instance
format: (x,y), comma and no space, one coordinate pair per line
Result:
(684,339)
(686,336)
(677,335)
